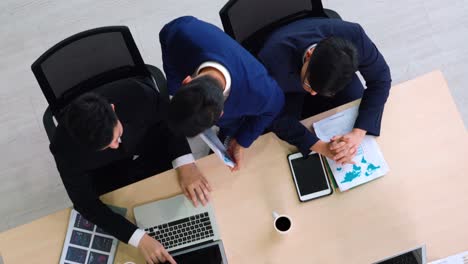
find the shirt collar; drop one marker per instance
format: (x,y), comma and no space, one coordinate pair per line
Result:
(305,52)
(223,70)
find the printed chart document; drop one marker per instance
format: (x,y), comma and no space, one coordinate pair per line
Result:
(218,148)
(461,258)
(369,161)
(338,124)
(86,242)
(369,165)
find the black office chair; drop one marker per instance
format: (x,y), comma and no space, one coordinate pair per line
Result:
(250,22)
(86,61)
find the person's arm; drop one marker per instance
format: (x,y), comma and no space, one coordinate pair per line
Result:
(376,73)
(192,182)
(290,129)
(194,185)
(174,81)
(279,61)
(82,193)
(179,145)
(266,108)
(170,70)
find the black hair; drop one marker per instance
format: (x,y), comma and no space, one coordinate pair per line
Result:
(90,121)
(332,65)
(196,106)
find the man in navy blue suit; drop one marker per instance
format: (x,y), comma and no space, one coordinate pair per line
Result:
(216,81)
(314,61)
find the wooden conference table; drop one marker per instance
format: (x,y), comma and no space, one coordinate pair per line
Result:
(422,200)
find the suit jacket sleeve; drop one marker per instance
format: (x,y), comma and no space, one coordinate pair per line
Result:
(288,127)
(173,79)
(178,143)
(376,73)
(281,64)
(80,189)
(253,126)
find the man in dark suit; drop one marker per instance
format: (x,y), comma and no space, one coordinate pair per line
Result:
(116,136)
(314,61)
(214,80)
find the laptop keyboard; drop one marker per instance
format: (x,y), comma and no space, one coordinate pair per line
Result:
(182,231)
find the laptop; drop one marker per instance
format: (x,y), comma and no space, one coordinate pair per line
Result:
(189,233)
(412,256)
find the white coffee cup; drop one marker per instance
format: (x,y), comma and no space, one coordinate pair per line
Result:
(281,223)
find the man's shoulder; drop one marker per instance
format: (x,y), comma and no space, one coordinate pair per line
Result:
(313,27)
(129,89)
(188,31)
(180,22)
(312,22)
(341,27)
(64,149)
(182,27)
(306,31)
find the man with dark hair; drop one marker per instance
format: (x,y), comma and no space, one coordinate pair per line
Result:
(216,82)
(332,66)
(198,105)
(90,120)
(314,61)
(116,136)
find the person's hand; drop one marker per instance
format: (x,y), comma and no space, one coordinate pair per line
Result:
(194,185)
(236,152)
(324,149)
(345,147)
(153,251)
(342,152)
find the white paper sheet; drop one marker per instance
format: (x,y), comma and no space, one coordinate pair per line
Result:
(369,160)
(369,166)
(461,258)
(218,148)
(337,124)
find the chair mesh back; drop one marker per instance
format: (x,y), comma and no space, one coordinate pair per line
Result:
(249,16)
(85,58)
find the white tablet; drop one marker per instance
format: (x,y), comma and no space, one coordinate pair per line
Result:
(309,176)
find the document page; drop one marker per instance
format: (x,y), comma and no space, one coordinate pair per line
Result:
(338,124)
(369,165)
(369,161)
(218,148)
(461,258)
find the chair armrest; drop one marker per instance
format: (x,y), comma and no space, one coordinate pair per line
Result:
(49,125)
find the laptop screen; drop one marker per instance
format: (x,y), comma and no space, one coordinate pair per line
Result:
(414,256)
(207,254)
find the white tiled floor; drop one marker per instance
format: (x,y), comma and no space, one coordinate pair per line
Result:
(415,37)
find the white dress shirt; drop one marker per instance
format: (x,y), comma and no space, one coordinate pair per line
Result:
(223,70)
